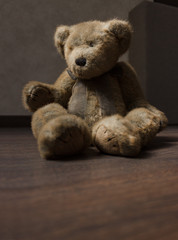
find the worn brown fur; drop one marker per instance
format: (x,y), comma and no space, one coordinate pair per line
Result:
(95,99)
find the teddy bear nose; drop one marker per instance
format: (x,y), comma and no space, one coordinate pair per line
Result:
(80,61)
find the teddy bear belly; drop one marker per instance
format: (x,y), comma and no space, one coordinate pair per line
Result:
(92,100)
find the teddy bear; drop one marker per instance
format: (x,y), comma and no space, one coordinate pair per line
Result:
(97,100)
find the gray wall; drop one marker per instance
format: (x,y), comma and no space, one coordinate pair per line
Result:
(27,51)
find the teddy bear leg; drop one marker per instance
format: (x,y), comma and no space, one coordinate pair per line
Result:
(59,133)
(115,135)
(147,123)
(160,116)
(36,95)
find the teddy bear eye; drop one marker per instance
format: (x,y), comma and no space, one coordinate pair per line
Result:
(71,48)
(91,44)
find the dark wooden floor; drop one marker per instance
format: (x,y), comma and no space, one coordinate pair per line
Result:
(91,197)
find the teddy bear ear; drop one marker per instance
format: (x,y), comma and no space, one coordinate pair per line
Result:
(122,30)
(60,37)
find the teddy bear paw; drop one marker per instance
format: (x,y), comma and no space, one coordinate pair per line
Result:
(36,96)
(123,144)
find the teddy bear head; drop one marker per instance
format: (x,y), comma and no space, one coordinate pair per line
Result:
(92,48)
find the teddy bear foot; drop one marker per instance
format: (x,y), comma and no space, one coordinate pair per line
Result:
(63,136)
(109,142)
(118,138)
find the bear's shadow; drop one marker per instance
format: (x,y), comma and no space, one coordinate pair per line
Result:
(160,142)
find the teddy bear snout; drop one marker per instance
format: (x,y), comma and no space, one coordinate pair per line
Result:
(80,61)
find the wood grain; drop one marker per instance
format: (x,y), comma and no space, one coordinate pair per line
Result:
(92,196)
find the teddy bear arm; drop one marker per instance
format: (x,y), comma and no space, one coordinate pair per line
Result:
(37,94)
(134,97)
(63,86)
(131,90)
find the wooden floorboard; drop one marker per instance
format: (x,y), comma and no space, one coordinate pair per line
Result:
(88,197)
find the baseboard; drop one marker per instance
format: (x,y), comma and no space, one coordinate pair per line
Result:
(15,121)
